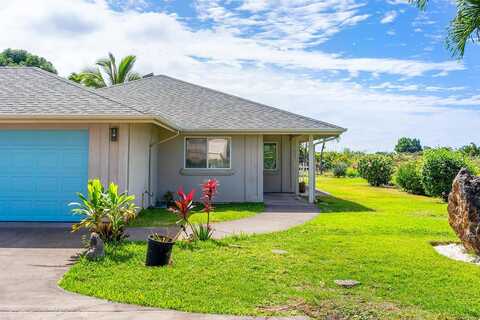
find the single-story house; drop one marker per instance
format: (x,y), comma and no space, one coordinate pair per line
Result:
(150,136)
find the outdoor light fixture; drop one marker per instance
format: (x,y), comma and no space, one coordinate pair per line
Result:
(113,134)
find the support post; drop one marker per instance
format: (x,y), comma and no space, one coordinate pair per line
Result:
(311,170)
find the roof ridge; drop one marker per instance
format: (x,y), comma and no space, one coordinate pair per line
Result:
(82,87)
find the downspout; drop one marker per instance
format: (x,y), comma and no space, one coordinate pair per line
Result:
(150,147)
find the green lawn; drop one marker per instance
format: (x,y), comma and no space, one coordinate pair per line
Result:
(223,212)
(378,236)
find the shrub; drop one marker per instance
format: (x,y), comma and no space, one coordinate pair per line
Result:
(376,169)
(105,212)
(352,172)
(408,177)
(439,168)
(340,169)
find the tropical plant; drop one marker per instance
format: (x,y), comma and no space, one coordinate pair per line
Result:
(202,232)
(91,207)
(408,177)
(439,168)
(340,169)
(105,212)
(183,209)
(23,58)
(107,73)
(209,190)
(377,169)
(408,145)
(120,209)
(464,27)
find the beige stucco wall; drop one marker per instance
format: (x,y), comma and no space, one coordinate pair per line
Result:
(243,182)
(280,180)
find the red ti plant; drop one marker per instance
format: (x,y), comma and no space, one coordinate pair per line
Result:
(183,209)
(209,190)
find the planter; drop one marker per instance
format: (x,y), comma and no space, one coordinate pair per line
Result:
(301,187)
(159,252)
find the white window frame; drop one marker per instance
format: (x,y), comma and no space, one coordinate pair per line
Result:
(207,138)
(276,155)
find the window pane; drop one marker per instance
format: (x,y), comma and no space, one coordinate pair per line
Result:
(219,153)
(196,153)
(270,156)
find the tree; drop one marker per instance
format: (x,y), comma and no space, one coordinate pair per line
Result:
(471,150)
(408,145)
(23,58)
(106,73)
(464,27)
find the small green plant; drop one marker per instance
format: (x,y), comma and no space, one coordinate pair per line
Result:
(168,198)
(340,169)
(408,177)
(202,232)
(91,207)
(352,172)
(439,168)
(377,169)
(120,210)
(105,212)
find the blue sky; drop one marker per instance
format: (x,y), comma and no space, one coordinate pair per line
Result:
(378,68)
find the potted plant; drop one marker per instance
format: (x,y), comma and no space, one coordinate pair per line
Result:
(159,250)
(302,187)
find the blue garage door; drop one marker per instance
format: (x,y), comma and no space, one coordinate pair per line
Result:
(40,173)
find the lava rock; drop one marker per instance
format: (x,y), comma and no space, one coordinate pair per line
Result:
(464,209)
(96,248)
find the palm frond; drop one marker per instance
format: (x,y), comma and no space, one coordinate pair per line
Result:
(92,78)
(125,68)
(421,4)
(464,27)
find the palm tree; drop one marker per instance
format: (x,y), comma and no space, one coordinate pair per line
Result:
(106,73)
(464,27)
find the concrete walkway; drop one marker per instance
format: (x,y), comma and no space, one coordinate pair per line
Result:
(33,257)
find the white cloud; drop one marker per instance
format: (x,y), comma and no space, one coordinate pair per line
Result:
(272,74)
(389,17)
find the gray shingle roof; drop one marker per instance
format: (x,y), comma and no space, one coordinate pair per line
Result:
(32,91)
(195,108)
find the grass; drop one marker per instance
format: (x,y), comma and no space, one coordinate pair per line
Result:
(223,212)
(378,236)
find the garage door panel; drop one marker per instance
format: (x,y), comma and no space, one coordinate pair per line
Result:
(42,173)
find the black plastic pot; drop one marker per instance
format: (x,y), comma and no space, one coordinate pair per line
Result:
(301,187)
(158,253)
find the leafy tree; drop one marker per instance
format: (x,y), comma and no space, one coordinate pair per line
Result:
(408,145)
(464,27)
(107,73)
(23,58)
(471,150)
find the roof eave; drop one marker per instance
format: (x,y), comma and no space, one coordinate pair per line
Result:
(41,118)
(294,131)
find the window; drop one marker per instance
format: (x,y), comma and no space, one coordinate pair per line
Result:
(270,156)
(211,153)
